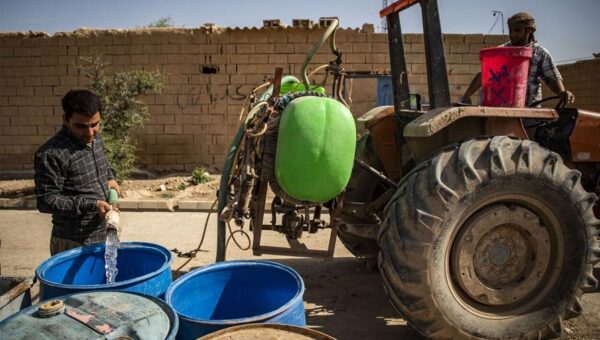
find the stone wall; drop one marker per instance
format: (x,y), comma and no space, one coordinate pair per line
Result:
(208,71)
(583,79)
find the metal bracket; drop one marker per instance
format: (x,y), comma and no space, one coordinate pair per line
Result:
(295,247)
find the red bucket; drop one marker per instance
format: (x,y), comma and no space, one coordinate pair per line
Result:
(504,75)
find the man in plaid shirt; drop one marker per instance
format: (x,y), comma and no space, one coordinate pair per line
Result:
(72,175)
(521,28)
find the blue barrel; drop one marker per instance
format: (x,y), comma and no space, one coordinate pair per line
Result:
(94,315)
(143,268)
(231,293)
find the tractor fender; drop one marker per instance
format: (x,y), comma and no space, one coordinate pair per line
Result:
(584,140)
(440,127)
(438,119)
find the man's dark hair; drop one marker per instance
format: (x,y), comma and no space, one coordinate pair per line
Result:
(80,101)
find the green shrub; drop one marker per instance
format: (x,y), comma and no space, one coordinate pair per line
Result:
(122,112)
(200,175)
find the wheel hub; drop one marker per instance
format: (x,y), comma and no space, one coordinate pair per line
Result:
(501,255)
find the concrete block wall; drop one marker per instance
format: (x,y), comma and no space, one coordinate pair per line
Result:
(208,71)
(583,79)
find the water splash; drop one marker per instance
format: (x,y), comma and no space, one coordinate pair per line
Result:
(110,255)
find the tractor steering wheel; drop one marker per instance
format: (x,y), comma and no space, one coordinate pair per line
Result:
(533,123)
(560,105)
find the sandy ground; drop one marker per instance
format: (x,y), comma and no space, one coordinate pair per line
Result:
(343,298)
(167,187)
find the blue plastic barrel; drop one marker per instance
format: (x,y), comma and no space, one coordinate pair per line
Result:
(143,267)
(231,293)
(94,315)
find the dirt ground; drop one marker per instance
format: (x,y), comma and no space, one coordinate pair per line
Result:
(344,297)
(176,187)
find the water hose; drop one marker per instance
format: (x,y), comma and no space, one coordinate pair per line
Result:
(224,189)
(192,253)
(317,46)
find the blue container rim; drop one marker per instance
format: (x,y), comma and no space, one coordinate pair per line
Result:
(41,270)
(172,313)
(227,265)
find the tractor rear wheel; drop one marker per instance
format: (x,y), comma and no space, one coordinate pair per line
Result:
(493,238)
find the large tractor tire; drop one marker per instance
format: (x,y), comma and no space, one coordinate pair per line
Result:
(493,238)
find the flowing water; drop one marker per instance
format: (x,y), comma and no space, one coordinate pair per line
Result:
(110,255)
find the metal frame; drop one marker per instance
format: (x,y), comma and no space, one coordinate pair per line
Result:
(437,76)
(400,85)
(295,247)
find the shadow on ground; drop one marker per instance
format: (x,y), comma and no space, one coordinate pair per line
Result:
(345,299)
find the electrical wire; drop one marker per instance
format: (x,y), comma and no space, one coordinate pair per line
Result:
(574,59)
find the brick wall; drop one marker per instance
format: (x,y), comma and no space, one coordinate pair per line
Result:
(583,79)
(207,73)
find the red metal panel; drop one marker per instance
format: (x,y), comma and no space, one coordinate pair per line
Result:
(396,7)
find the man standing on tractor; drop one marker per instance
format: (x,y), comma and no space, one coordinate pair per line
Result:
(521,27)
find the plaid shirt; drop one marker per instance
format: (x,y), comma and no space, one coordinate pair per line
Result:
(541,66)
(70,178)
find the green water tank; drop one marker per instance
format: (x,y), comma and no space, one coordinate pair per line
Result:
(315,148)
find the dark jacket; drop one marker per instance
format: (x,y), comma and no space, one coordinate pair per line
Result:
(70,178)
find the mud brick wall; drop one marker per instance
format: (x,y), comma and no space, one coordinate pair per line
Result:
(583,79)
(207,72)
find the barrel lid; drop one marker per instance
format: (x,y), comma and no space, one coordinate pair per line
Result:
(266,331)
(92,315)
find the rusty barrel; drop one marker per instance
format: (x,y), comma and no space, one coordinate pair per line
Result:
(15,295)
(94,315)
(267,331)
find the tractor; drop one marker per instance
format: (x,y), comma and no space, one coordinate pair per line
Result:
(480,228)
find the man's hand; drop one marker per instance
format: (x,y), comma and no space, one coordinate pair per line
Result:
(568,96)
(102,207)
(112,184)
(558,87)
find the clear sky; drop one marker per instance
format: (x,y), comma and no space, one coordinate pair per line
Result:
(570,29)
